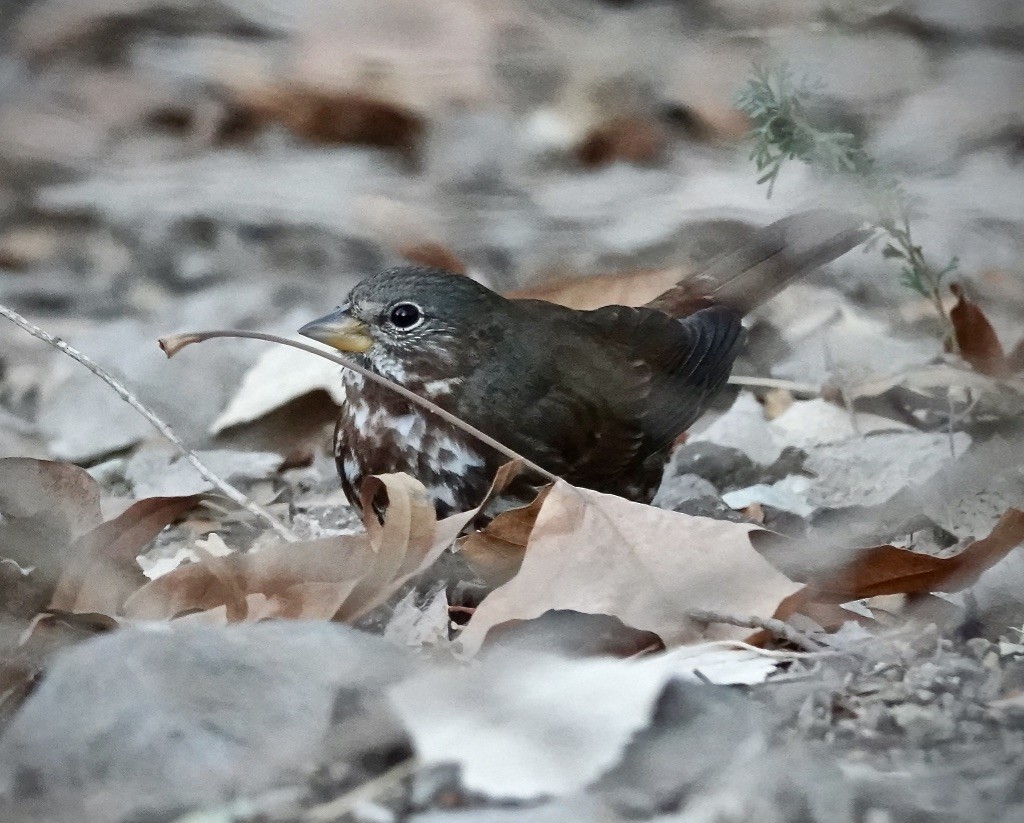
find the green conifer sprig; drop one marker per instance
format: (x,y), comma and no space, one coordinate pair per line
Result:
(778,104)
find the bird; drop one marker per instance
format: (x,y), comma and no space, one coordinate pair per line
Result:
(596,397)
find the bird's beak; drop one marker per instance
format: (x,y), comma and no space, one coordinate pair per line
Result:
(340,330)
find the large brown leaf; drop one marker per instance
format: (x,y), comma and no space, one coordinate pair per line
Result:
(650,568)
(496,552)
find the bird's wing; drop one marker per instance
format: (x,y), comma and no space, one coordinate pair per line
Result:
(570,402)
(687,359)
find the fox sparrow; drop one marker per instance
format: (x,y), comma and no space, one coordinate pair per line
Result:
(596,397)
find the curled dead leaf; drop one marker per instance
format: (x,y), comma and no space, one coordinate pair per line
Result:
(101,571)
(975,337)
(339,578)
(496,552)
(890,570)
(333,565)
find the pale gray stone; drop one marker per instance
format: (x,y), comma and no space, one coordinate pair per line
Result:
(153,721)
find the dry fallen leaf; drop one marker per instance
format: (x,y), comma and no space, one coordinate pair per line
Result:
(51,521)
(889,570)
(286,575)
(631,288)
(975,337)
(334,577)
(45,506)
(627,139)
(599,554)
(309,580)
(101,571)
(496,551)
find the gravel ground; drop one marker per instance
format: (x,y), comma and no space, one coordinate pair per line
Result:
(241,163)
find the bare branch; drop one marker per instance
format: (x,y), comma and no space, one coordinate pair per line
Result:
(219,483)
(774,383)
(777,627)
(338,807)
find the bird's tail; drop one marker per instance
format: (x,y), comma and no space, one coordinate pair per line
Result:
(777,254)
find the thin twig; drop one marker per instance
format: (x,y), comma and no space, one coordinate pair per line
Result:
(173,343)
(340,806)
(769,624)
(222,485)
(774,383)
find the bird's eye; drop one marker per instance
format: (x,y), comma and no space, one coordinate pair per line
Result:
(406,315)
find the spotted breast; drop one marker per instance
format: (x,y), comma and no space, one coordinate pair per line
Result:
(379,433)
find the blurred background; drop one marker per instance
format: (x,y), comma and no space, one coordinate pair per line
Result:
(172,164)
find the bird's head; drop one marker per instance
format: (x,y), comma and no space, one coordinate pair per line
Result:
(406,318)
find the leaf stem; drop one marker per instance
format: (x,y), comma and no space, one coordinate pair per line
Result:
(174,343)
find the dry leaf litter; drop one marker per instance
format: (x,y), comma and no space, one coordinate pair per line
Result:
(821,618)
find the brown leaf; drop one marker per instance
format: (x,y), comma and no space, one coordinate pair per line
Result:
(631,288)
(889,570)
(599,554)
(434,255)
(236,608)
(411,532)
(628,139)
(334,577)
(336,563)
(101,571)
(46,506)
(827,614)
(496,552)
(330,117)
(976,338)
(399,544)
(257,607)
